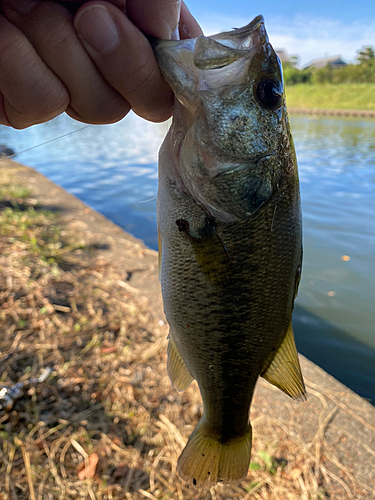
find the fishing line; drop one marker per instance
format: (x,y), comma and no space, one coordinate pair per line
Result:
(146,201)
(44,143)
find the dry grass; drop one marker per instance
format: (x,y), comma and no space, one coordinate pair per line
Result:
(107,424)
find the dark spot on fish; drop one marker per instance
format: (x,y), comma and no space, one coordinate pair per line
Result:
(208,472)
(202,454)
(194,481)
(183,225)
(240,124)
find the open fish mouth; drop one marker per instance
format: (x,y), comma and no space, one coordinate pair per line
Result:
(217,51)
(202,63)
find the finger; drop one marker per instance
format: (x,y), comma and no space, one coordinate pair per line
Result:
(32,93)
(158,18)
(3,116)
(188,26)
(49,27)
(125,58)
(73,5)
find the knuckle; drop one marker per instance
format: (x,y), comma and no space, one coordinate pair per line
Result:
(109,112)
(45,99)
(141,78)
(36,110)
(51,26)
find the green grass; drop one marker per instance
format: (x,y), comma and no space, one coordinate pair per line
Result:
(358,96)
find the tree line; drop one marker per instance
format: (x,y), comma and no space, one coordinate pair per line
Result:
(363,71)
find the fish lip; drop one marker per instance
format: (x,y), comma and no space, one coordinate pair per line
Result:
(237,33)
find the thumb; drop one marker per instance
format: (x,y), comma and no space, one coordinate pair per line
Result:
(125,58)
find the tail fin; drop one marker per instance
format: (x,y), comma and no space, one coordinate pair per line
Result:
(205,460)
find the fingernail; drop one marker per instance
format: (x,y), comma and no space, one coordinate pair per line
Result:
(97,28)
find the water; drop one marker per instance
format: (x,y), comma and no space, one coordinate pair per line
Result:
(113,168)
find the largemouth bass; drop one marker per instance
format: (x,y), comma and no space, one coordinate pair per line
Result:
(230,245)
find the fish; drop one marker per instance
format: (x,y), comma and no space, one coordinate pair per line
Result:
(230,239)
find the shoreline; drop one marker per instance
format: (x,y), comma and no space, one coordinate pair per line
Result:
(332,112)
(335,419)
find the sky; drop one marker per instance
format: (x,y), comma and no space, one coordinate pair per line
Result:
(310,29)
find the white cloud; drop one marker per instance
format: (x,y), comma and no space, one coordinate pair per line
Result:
(309,38)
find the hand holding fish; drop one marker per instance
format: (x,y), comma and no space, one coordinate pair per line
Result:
(89,59)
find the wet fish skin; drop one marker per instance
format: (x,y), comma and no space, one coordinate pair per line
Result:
(230,239)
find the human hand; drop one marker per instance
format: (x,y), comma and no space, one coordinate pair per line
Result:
(94,63)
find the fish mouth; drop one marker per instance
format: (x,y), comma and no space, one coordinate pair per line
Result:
(202,63)
(217,51)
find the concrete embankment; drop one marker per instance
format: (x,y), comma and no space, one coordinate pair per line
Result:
(334,429)
(333,112)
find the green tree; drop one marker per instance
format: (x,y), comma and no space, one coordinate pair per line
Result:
(293,75)
(293,61)
(366,54)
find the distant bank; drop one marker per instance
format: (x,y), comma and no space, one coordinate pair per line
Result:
(331,112)
(346,99)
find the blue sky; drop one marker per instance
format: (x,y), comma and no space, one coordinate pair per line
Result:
(309,29)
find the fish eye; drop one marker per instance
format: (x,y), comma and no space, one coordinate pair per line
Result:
(269,93)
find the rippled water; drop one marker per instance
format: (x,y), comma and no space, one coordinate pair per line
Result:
(113,168)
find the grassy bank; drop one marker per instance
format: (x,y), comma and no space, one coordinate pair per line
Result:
(107,424)
(101,425)
(354,96)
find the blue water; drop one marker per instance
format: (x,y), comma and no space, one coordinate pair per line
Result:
(113,168)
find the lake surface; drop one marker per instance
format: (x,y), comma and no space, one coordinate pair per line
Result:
(113,169)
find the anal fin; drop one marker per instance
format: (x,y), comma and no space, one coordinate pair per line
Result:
(176,368)
(284,371)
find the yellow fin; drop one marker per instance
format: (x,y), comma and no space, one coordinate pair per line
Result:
(176,368)
(205,460)
(160,247)
(284,371)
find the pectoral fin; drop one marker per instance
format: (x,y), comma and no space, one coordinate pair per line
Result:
(210,251)
(284,371)
(176,368)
